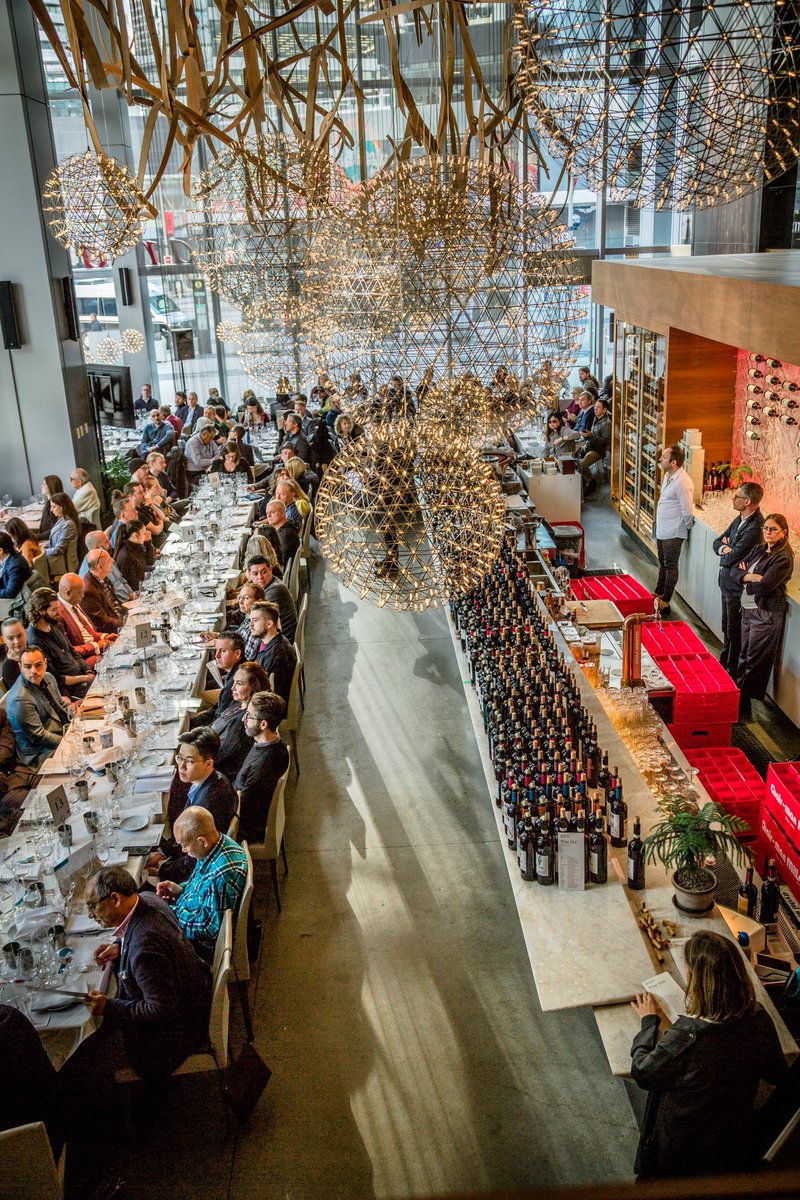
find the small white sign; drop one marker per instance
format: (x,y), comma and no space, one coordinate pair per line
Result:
(59,806)
(214,479)
(144,635)
(571,862)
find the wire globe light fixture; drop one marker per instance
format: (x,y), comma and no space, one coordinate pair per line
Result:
(406,527)
(132,340)
(678,107)
(108,352)
(93,204)
(251,215)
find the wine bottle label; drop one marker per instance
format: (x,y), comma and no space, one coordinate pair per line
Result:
(594,862)
(742,905)
(522,856)
(632,868)
(617,825)
(543,865)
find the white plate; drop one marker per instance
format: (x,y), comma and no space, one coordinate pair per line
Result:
(135,823)
(46,1003)
(152,759)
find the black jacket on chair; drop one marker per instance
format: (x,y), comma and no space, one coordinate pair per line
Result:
(741,538)
(702,1079)
(164,991)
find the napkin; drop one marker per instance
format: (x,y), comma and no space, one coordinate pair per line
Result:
(152,781)
(29,920)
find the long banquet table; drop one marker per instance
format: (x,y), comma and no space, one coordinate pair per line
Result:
(41,878)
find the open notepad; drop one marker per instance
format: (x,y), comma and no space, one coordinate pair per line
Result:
(669,994)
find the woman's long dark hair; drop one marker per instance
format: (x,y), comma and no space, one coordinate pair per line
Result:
(68,509)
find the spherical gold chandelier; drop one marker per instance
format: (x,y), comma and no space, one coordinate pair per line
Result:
(93,204)
(252,213)
(405,527)
(271,341)
(693,106)
(132,341)
(108,352)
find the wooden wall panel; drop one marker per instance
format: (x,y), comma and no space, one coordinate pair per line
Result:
(700,393)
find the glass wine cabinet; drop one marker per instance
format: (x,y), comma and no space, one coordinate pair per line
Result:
(640,360)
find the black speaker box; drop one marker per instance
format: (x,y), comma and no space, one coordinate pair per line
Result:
(8,316)
(125,286)
(70,309)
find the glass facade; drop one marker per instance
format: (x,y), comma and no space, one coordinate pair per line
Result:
(175,296)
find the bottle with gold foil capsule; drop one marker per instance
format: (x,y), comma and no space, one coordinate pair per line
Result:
(526,850)
(618,815)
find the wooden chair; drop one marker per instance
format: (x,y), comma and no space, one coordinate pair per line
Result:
(293,576)
(273,844)
(291,722)
(42,564)
(300,646)
(215,1057)
(27,1166)
(305,545)
(233,828)
(241,957)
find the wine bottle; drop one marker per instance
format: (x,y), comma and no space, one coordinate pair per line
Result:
(754,373)
(774,364)
(545,856)
(758,358)
(618,814)
(636,858)
(754,389)
(770,896)
(773,381)
(770,410)
(747,895)
(524,851)
(598,852)
(790,403)
(755,405)
(790,387)
(788,419)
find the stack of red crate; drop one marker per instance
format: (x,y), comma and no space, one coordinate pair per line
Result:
(627,593)
(732,781)
(779,832)
(706,700)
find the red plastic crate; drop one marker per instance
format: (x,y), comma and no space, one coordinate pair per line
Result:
(703,690)
(732,781)
(627,593)
(775,842)
(698,736)
(672,637)
(782,796)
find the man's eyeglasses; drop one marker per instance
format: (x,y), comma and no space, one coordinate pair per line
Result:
(91,905)
(183,758)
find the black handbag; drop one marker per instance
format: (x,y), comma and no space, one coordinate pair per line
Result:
(245,1081)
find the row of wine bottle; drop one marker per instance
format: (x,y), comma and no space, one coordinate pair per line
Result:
(550,774)
(748,896)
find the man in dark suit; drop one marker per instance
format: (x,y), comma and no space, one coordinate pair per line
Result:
(266,761)
(742,535)
(293,436)
(99,602)
(163,989)
(197,783)
(36,711)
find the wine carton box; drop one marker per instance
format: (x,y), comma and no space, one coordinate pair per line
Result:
(775,843)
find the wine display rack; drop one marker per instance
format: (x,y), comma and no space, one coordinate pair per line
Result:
(640,367)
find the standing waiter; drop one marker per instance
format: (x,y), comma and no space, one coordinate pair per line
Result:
(741,536)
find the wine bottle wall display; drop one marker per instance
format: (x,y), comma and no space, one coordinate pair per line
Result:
(551,774)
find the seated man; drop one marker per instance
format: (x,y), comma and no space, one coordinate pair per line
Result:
(16,640)
(86,641)
(200,450)
(85,497)
(290,539)
(158,434)
(275,654)
(99,601)
(228,654)
(293,436)
(260,571)
(36,711)
(15,778)
(71,673)
(163,989)
(207,788)
(98,540)
(266,761)
(286,492)
(597,443)
(214,886)
(14,568)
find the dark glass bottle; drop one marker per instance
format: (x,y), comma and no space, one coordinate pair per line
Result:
(636,858)
(770,896)
(525,851)
(747,895)
(545,855)
(598,852)
(618,817)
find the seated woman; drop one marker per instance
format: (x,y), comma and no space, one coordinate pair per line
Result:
(51,484)
(559,440)
(702,1075)
(63,537)
(235,741)
(23,539)
(229,462)
(346,431)
(249,593)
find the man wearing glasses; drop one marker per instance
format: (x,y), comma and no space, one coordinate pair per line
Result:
(742,535)
(207,788)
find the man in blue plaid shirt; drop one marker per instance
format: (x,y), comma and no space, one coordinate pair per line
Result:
(215,884)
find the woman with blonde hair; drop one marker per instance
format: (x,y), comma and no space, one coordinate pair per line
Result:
(702,1075)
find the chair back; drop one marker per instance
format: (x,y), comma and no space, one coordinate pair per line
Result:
(300,632)
(292,719)
(41,565)
(5,607)
(27,1168)
(220,1017)
(241,959)
(293,578)
(276,819)
(233,828)
(305,547)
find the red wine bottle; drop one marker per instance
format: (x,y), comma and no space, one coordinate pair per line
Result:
(545,855)
(618,817)
(770,896)
(636,858)
(747,896)
(598,852)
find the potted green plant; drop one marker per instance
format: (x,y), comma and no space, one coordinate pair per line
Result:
(684,838)
(739,473)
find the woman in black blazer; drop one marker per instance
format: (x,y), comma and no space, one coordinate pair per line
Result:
(132,556)
(765,573)
(235,741)
(703,1074)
